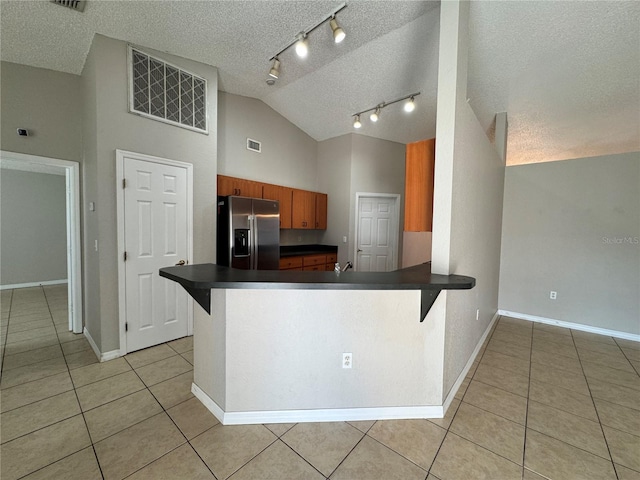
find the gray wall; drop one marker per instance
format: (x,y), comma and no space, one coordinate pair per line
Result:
(377,166)
(108,126)
(45,102)
(357,163)
(288,157)
(468,190)
(334,178)
(574,227)
(33,237)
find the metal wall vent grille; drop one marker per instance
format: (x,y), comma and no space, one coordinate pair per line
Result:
(163,92)
(254,145)
(77,5)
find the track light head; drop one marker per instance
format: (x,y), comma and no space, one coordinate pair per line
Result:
(409,106)
(375,115)
(338,33)
(302,46)
(275,68)
(356,122)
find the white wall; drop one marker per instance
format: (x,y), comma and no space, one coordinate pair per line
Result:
(468,190)
(109,127)
(574,227)
(45,102)
(33,237)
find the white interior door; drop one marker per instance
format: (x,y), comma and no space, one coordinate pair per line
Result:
(377,233)
(156,198)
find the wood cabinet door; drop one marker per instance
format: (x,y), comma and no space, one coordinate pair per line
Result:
(249,188)
(226,185)
(418,206)
(303,209)
(321,211)
(284,196)
(239,187)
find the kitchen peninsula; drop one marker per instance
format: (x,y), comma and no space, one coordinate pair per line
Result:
(290,346)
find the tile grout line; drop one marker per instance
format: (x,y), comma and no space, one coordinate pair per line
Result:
(164,410)
(459,404)
(75,392)
(604,437)
(4,340)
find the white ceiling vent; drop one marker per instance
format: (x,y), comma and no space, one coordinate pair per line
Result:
(254,145)
(77,5)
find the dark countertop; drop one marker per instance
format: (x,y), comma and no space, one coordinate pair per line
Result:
(198,280)
(296,250)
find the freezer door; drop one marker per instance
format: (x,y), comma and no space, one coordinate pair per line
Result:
(266,235)
(240,241)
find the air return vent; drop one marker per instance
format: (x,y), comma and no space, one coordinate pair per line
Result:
(164,92)
(254,145)
(77,5)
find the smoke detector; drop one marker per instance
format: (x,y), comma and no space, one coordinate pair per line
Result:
(77,5)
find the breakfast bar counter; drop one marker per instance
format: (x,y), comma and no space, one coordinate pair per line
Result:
(289,346)
(198,280)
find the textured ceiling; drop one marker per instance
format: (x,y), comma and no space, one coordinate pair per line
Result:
(566,72)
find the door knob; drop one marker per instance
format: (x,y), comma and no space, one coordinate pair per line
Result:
(181,263)
(359,250)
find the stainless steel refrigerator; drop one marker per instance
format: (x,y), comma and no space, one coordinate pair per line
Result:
(248,233)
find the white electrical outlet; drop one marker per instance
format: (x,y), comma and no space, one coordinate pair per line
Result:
(344,239)
(553,295)
(347,360)
(95,245)
(478,314)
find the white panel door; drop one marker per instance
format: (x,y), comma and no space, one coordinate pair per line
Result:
(377,235)
(156,236)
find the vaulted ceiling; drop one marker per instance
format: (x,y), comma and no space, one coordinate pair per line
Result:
(567,73)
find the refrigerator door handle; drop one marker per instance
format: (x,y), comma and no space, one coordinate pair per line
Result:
(254,224)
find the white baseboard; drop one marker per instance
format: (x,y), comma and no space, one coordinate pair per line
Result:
(315,415)
(32,284)
(575,326)
(103,357)
(467,367)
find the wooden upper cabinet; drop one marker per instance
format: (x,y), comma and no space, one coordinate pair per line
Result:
(321,211)
(284,196)
(419,170)
(239,187)
(298,208)
(303,209)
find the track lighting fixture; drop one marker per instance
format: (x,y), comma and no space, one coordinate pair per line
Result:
(409,106)
(375,115)
(275,68)
(301,41)
(302,45)
(338,33)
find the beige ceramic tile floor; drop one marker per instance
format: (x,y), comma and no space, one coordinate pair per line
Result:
(540,402)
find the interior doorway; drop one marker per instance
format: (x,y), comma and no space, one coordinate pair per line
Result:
(377,234)
(71,172)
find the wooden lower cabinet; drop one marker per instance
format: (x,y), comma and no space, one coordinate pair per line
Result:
(309,263)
